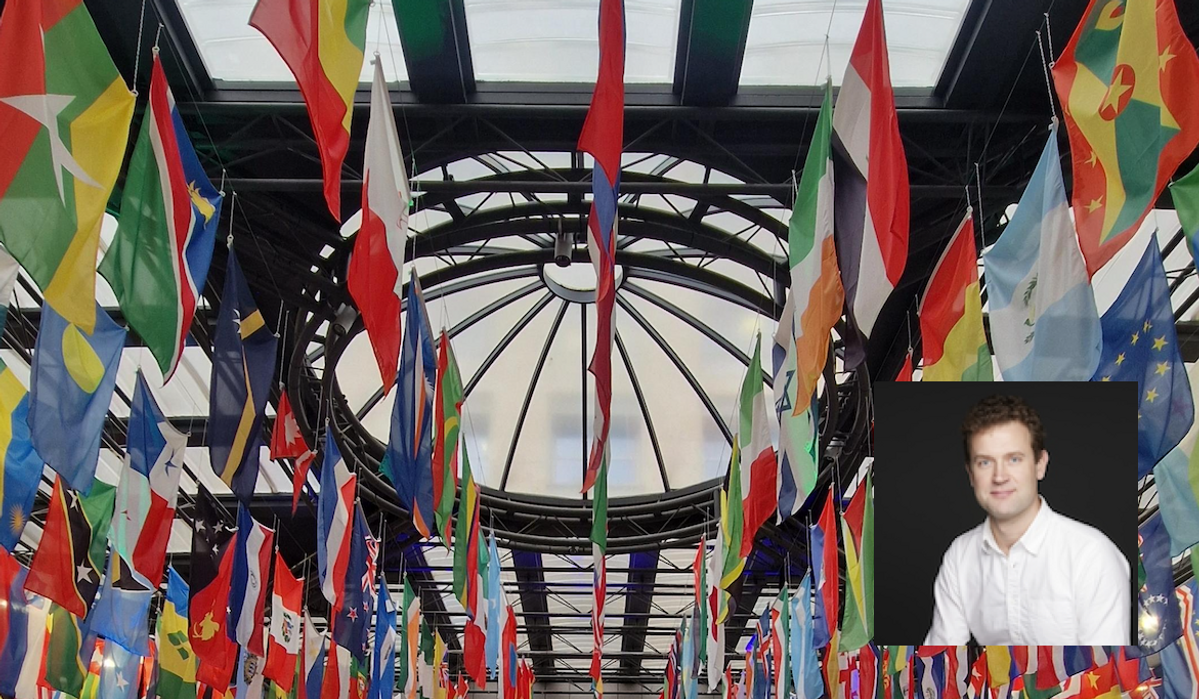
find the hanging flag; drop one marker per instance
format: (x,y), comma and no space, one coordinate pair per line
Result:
(951,317)
(322,44)
(287,598)
(1139,344)
(1180,661)
(64,135)
(1055,664)
(826,573)
(247,590)
(119,671)
(779,635)
(466,543)
(508,656)
(930,676)
(715,627)
(374,278)
(21,659)
(448,410)
(599,578)
(759,468)
(805,667)
(427,649)
(700,582)
(1184,192)
(1126,82)
(69,646)
(243,361)
(288,443)
(495,606)
(249,676)
(410,642)
(383,658)
(122,610)
(351,619)
(149,486)
(857,531)
(67,564)
(72,379)
(871,183)
(176,661)
(1177,493)
(1044,323)
(905,371)
(1158,617)
(20,465)
(409,460)
(314,662)
(732,525)
(210,574)
(158,260)
(333,527)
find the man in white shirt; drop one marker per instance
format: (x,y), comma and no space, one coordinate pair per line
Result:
(1027,575)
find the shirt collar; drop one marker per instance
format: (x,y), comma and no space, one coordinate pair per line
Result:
(1033,537)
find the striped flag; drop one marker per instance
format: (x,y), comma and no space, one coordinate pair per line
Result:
(20,464)
(158,260)
(287,597)
(1180,661)
(68,562)
(247,589)
(315,647)
(447,410)
(826,573)
(951,318)
(383,658)
(715,626)
(374,277)
(177,662)
(409,661)
(759,468)
(333,526)
(857,533)
(871,187)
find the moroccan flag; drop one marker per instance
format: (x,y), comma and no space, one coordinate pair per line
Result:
(857,528)
(1127,85)
(211,569)
(72,379)
(871,175)
(243,362)
(288,443)
(951,318)
(447,409)
(409,460)
(247,586)
(68,562)
(158,260)
(759,469)
(374,278)
(149,485)
(287,597)
(64,123)
(20,465)
(122,610)
(176,661)
(322,43)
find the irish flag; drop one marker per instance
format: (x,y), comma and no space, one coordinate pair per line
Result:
(951,317)
(159,259)
(64,123)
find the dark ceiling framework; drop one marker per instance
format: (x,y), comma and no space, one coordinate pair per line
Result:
(988,114)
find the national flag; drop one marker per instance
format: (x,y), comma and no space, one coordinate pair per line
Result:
(732,524)
(1139,344)
(20,465)
(374,278)
(905,371)
(314,662)
(780,626)
(448,412)
(1177,489)
(930,676)
(871,182)
(508,656)
(287,599)
(383,658)
(333,526)
(176,660)
(759,469)
(1057,663)
(805,667)
(442,675)
(72,379)
(1184,192)
(1157,610)
(870,686)
(64,131)
(22,658)
(210,574)
(715,627)
(351,620)
(247,590)
(857,532)
(410,643)
(249,676)
(599,577)
(951,317)
(122,610)
(1100,681)
(149,485)
(1180,661)
(495,606)
(158,260)
(335,683)
(826,574)
(67,564)
(243,362)
(1126,83)
(686,666)
(409,460)
(69,646)
(466,543)
(119,672)
(957,670)
(322,44)
(1044,323)
(700,571)
(288,443)
(427,648)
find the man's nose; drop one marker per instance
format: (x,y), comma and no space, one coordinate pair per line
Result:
(1000,473)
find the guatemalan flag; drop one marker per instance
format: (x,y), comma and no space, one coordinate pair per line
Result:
(1044,323)
(247,591)
(149,486)
(333,525)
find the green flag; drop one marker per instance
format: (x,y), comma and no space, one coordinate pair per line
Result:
(65,668)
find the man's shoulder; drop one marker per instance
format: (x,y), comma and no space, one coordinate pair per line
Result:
(1078,535)
(966,541)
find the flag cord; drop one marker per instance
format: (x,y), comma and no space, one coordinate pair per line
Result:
(137,56)
(978,181)
(1046,64)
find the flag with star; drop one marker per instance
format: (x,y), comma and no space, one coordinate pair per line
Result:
(1177,479)
(352,620)
(1139,344)
(208,603)
(122,611)
(69,561)
(1157,609)
(1126,81)
(118,673)
(64,123)
(1180,661)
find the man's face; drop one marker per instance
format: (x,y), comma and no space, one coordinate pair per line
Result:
(1004,471)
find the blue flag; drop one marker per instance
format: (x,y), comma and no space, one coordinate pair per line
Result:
(121,613)
(409,463)
(805,666)
(1180,661)
(20,465)
(820,626)
(71,385)
(1159,623)
(1139,344)
(383,671)
(351,623)
(930,676)
(1044,323)
(495,606)
(119,673)
(243,363)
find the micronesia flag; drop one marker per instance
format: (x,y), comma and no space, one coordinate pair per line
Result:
(333,527)
(1044,323)
(247,591)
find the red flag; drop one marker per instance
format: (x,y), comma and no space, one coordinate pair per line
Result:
(207,616)
(905,371)
(286,601)
(288,443)
(460,688)
(830,572)
(474,655)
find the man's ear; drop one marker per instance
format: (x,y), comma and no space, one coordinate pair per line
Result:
(1042,464)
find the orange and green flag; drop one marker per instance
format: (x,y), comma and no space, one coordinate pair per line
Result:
(951,316)
(64,123)
(1127,84)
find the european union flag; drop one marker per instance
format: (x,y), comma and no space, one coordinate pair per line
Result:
(73,377)
(1139,344)
(1158,619)
(243,362)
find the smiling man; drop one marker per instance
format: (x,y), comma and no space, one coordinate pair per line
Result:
(1027,575)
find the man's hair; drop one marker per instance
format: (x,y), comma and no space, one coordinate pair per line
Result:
(999,410)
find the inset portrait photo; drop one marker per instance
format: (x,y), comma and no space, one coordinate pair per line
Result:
(1005,513)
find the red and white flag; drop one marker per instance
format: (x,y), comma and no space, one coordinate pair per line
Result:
(284,647)
(336,682)
(288,443)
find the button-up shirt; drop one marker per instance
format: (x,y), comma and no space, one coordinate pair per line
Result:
(1062,583)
